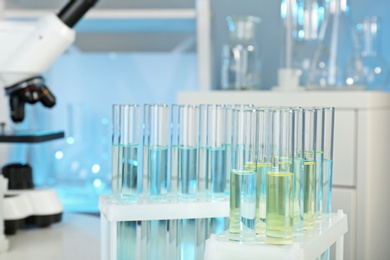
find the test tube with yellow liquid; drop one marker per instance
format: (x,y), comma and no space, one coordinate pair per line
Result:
(263,165)
(280,200)
(309,172)
(243,176)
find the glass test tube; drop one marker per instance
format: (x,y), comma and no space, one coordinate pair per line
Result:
(125,140)
(155,177)
(328,136)
(298,148)
(216,151)
(243,176)
(262,167)
(280,204)
(319,146)
(156,151)
(188,137)
(228,145)
(309,173)
(202,155)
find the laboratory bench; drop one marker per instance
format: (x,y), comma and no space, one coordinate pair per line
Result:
(76,237)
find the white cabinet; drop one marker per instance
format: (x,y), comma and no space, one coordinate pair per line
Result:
(361,175)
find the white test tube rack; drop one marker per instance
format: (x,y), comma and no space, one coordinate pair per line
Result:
(3,189)
(311,246)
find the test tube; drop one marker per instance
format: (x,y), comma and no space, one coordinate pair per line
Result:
(262,167)
(309,173)
(155,177)
(228,145)
(216,151)
(280,204)
(298,148)
(202,155)
(125,142)
(156,151)
(328,136)
(243,176)
(319,162)
(188,138)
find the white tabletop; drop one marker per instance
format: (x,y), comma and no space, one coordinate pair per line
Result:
(77,236)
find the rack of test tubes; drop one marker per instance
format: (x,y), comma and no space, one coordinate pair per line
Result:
(181,173)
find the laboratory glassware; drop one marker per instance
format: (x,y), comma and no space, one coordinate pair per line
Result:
(333,52)
(302,20)
(184,147)
(125,144)
(216,151)
(263,165)
(309,171)
(280,179)
(243,176)
(328,139)
(368,61)
(241,55)
(155,177)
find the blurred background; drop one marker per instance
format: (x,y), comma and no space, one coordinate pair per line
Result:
(119,57)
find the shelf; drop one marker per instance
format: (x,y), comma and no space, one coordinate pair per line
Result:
(122,20)
(110,13)
(114,209)
(328,232)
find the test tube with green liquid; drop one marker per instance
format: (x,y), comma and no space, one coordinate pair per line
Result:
(280,179)
(298,169)
(243,176)
(262,166)
(309,173)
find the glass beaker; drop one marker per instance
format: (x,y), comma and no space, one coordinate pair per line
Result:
(302,21)
(333,52)
(368,61)
(241,55)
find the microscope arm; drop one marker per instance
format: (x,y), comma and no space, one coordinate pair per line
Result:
(27,49)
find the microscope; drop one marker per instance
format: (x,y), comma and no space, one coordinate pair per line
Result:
(27,49)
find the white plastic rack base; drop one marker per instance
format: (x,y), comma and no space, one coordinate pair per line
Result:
(306,247)
(114,210)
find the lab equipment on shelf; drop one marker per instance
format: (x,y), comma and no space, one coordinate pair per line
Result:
(334,51)
(241,55)
(367,61)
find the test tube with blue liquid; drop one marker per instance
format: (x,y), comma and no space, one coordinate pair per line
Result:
(243,176)
(125,142)
(327,175)
(280,179)
(262,167)
(187,164)
(216,151)
(155,174)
